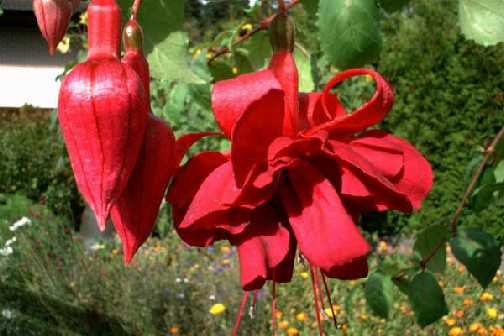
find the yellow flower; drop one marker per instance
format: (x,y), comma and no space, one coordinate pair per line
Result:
(364,317)
(304,275)
(485,297)
(197,52)
(492,313)
(226,262)
(292,332)
(301,317)
(458,290)
(209,55)
(234,70)
(247,27)
(474,327)
(467,302)
(217,309)
(283,324)
(344,328)
(456,331)
(83,18)
(225,249)
(328,312)
(173,330)
(64,45)
(450,322)
(382,245)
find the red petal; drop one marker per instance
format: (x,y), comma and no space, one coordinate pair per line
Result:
(323,228)
(312,111)
(284,68)
(188,179)
(366,115)
(230,98)
(134,215)
(355,269)
(252,135)
(187,140)
(262,248)
(416,178)
(362,174)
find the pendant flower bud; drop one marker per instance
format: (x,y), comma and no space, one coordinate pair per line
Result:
(103,110)
(53,17)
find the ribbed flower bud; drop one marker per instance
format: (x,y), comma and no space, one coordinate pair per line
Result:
(53,17)
(103,110)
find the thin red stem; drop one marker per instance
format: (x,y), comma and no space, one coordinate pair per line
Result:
(264,25)
(328,293)
(135,8)
(315,297)
(319,290)
(240,313)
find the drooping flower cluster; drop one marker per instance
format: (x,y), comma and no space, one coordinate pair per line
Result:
(300,172)
(122,156)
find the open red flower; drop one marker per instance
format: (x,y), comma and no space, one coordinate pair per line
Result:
(300,172)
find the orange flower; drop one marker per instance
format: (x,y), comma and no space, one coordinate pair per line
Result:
(474,327)
(458,290)
(456,331)
(292,332)
(485,297)
(468,302)
(301,317)
(450,322)
(458,313)
(173,330)
(283,324)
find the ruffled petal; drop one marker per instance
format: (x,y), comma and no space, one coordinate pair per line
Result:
(188,179)
(262,248)
(254,131)
(231,98)
(360,178)
(363,117)
(381,172)
(322,226)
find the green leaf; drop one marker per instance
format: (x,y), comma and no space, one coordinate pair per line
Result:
(303,62)
(479,252)
(349,32)
(427,241)
(392,5)
(165,42)
(258,50)
(220,70)
(403,284)
(427,299)
(311,6)
(379,293)
(482,20)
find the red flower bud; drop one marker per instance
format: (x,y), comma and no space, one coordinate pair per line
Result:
(53,17)
(134,215)
(103,109)
(134,56)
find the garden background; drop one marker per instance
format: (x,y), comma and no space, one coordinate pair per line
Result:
(449,104)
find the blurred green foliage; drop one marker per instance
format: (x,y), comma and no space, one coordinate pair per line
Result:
(33,161)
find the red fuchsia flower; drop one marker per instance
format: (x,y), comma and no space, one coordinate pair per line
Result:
(134,214)
(53,17)
(103,111)
(300,172)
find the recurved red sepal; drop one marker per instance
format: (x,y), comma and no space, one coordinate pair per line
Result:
(53,17)
(103,111)
(134,215)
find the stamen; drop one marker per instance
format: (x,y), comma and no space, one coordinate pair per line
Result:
(315,297)
(240,313)
(328,293)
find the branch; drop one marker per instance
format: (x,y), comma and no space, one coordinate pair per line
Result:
(217,52)
(489,153)
(135,8)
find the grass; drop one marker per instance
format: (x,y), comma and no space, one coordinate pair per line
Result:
(52,285)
